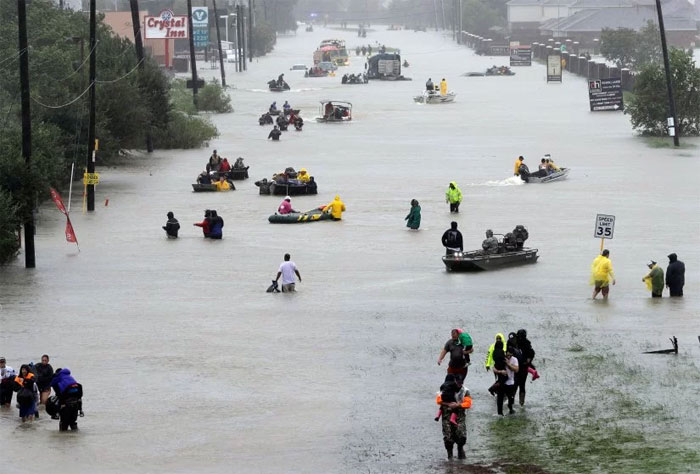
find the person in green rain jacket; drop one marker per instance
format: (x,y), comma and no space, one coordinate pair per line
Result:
(413,217)
(654,280)
(453,196)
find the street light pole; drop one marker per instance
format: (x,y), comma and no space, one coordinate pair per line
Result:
(672,120)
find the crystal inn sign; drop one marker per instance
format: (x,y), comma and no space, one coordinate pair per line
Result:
(165,25)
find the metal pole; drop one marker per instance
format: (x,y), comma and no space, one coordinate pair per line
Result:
(672,128)
(239,37)
(193,58)
(243,40)
(91,123)
(218,40)
(251,8)
(459,33)
(436,15)
(29,254)
(138,43)
(444,24)
(70,187)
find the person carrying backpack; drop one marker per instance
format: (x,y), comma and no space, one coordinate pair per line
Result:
(70,399)
(452,239)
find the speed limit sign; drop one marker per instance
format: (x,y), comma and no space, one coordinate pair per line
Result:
(604,226)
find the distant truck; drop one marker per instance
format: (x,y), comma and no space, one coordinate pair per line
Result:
(384,66)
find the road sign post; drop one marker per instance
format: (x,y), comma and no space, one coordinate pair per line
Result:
(605,95)
(604,228)
(554,68)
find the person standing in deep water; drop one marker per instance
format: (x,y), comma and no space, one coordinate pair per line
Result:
(413,217)
(459,356)
(172,226)
(453,196)
(44,374)
(654,280)
(602,274)
(675,275)
(452,240)
(205,224)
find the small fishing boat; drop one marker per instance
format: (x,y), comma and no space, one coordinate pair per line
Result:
(477,260)
(555,176)
(206,188)
(435,98)
(288,188)
(332,111)
(314,215)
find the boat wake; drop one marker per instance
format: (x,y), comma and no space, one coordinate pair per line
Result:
(512,181)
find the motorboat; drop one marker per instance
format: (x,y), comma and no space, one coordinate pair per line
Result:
(509,251)
(332,111)
(287,187)
(354,79)
(314,215)
(554,176)
(209,187)
(478,260)
(428,97)
(275,86)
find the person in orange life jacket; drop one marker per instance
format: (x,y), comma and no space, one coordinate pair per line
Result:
(27,393)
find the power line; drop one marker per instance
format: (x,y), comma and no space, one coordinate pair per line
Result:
(14,56)
(123,77)
(66,104)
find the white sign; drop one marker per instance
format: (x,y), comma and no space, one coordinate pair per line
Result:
(200,16)
(165,26)
(604,226)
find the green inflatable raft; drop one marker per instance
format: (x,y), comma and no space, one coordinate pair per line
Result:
(313,215)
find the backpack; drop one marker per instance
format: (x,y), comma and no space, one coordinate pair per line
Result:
(25,396)
(451,238)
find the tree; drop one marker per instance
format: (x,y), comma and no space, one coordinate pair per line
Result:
(631,49)
(648,108)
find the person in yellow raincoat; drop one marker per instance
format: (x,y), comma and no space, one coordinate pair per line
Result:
(443,87)
(453,196)
(222,184)
(335,208)
(489,354)
(303,176)
(516,168)
(602,274)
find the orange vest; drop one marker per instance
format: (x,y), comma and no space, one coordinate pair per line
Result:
(20,381)
(466,403)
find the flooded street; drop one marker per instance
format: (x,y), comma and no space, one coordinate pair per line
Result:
(189,366)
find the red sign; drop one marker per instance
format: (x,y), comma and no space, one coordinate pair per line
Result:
(165,26)
(70,233)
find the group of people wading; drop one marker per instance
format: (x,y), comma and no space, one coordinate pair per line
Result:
(510,360)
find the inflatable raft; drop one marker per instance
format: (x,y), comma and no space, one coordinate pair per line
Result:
(313,215)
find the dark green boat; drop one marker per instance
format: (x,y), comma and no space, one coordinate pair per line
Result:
(314,215)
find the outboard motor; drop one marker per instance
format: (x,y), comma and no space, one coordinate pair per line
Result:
(521,235)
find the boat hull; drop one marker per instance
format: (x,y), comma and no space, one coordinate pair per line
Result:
(435,98)
(476,261)
(209,188)
(556,176)
(289,189)
(314,215)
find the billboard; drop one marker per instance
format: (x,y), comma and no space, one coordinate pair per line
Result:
(605,95)
(165,25)
(553,68)
(521,55)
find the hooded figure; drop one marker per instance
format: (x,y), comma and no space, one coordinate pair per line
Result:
(172,226)
(516,168)
(654,280)
(452,239)
(216,226)
(429,86)
(205,224)
(453,196)
(413,217)
(303,176)
(490,243)
(70,394)
(489,354)
(443,87)
(275,134)
(675,275)
(336,208)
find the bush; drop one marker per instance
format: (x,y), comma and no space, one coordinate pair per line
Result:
(184,131)
(9,223)
(213,98)
(263,39)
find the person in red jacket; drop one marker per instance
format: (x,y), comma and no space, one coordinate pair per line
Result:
(205,224)
(225,166)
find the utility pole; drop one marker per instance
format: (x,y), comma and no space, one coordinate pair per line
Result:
(218,40)
(239,37)
(251,22)
(436,16)
(459,33)
(193,58)
(29,255)
(91,122)
(444,24)
(243,39)
(673,119)
(138,43)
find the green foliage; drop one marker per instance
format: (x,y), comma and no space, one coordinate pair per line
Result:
(213,98)
(184,131)
(648,108)
(263,39)
(628,48)
(9,223)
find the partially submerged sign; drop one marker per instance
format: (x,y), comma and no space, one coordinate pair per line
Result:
(605,95)
(520,55)
(604,226)
(553,68)
(166,25)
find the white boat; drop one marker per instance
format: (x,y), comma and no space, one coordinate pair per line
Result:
(435,98)
(556,176)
